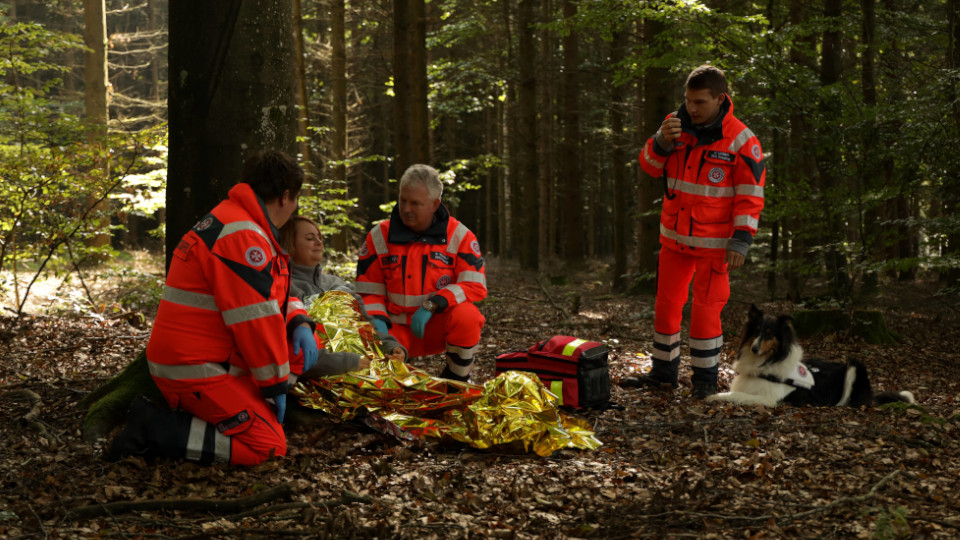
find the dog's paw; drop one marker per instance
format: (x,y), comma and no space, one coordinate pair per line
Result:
(714,398)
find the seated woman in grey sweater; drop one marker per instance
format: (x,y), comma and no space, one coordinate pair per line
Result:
(301,238)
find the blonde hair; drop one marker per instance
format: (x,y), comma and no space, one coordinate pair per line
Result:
(288,233)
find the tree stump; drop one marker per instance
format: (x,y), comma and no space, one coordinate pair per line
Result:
(868,325)
(107,406)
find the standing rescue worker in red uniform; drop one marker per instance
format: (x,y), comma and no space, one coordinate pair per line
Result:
(419,274)
(714,173)
(226,334)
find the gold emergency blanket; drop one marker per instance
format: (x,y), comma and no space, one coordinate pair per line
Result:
(512,412)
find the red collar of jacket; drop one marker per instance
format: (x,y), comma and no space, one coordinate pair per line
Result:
(436,234)
(243,196)
(707,134)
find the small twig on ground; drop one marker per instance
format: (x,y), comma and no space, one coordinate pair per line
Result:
(550,299)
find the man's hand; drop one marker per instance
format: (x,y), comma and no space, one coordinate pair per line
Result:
(734,260)
(280,406)
(419,322)
(303,340)
(397,354)
(670,128)
(380,326)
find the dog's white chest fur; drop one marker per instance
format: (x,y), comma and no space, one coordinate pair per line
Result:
(748,388)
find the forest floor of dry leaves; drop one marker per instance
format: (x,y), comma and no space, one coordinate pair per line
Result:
(670,466)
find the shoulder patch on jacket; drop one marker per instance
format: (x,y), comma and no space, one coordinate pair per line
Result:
(756,167)
(472,260)
(208,229)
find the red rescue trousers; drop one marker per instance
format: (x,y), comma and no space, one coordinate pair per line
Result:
(711,290)
(232,422)
(456,330)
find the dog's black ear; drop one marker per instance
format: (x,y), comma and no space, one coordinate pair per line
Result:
(785,324)
(754,314)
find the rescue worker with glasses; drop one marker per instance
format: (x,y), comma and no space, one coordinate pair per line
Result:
(713,172)
(419,274)
(227,332)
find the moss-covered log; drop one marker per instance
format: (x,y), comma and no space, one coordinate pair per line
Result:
(872,327)
(107,406)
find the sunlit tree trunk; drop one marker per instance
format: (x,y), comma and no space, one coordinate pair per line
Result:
(95,101)
(303,97)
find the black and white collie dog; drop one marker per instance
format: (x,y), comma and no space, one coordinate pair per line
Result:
(770,369)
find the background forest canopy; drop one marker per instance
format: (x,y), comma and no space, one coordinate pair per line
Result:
(534,111)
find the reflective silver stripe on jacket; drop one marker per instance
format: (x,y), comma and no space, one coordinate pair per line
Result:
(189,371)
(413,300)
(472,277)
(375,307)
(649,159)
(699,189)
(740,140)
(457,237)
(379,244)
(748,221)
(458,293)
(369,287)
(749,190)
(260,310)
(271,371)
(693,241)
(399,318)
(237,226)
(189,298)
(294,305)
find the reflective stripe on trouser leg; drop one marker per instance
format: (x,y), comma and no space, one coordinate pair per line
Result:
(666,348)
(705,353)
(206,444)
(460,359)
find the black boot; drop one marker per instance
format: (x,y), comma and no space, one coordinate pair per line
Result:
(132,441)
(664,374)
(447,373)
(152,431)
(704,382)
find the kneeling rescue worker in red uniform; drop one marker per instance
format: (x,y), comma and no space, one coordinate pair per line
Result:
(420,272)
(714,174)
(226,335)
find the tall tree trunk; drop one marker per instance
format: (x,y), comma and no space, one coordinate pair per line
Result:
(95,102)
(621,222)
(868,169)
(420,150)
(527,137)
(338,79)
(951,190)
(657,100)
(232,95)
(572,200)
(401,86)
(303,97)
(830,66)
(546,228)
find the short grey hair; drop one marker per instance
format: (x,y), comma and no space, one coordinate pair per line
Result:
(425,175)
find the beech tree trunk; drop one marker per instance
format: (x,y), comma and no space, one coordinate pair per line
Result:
(572,201)
(527,139)
(232,93)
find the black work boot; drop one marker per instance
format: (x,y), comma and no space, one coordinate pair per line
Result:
(132,441)
(704,382)
(447,373)
(663,375)
(152,431)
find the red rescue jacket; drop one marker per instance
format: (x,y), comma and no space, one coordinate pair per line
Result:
(225,309)
(714,179)
(398,269)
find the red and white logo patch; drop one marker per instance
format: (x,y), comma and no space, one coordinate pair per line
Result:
(363,250)
(802,370)
(256,257)
(443,282)
(205,224)
(475,246)
(757,154)
(716,175)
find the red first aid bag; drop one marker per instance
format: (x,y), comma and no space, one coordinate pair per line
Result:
(573,369)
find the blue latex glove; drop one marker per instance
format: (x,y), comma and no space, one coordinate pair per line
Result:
(280,405)
(380,326)
(303,340)
(419,322)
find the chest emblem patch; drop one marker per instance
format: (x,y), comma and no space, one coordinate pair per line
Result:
(256,257)
(443,282)
(716,175)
